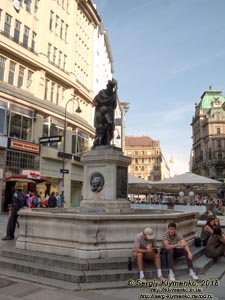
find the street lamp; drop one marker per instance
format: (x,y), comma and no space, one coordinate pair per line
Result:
(78,110)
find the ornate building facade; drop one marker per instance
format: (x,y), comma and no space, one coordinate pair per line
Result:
(146,157)
(208,128)
(47,65)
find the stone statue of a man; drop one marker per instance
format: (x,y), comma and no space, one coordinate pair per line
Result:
(105,104)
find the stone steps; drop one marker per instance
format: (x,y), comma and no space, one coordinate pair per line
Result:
(75,274)
(80,264)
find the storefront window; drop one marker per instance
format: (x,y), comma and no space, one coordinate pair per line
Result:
(3,124)
(20,127)
(52,129)
(80,143)
(17,161)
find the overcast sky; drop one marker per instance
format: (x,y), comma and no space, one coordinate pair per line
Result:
(166,54)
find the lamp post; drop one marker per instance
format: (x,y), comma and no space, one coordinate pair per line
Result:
(63,171)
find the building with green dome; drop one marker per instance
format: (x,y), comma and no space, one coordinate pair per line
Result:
(208,128)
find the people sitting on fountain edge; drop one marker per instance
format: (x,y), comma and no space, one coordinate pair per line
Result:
(175,246)
(207,230)
(145,248)
(216,244)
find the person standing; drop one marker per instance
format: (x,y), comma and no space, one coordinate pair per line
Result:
(18,201)
(175,246)
(145,248)
(52,202)
(58,200)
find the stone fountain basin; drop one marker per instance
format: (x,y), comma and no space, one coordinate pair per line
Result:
(93,234)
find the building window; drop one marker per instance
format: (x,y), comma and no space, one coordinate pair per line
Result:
(28,5)
(17,31)
(33,42)
(49,51)
(51,20)
(20,77)
(136,152)
(64,62)
(12,67)
(52,92)
(7,27)
(217,117)
(20,127)
(57,94)
(51,129)
(218,131)
(46,89)
(56,24)
(61,29)
(18,160)
(2,67)
(80,143)
(66,33)
(26,36)
(29,80)
(60,59)
(3,121)
(36,7)
(54,55)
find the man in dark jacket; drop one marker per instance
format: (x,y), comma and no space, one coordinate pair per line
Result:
(52,201)
(18,201)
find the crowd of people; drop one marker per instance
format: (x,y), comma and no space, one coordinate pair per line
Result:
(31,200)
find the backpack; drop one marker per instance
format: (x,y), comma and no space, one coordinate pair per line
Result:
(22,199)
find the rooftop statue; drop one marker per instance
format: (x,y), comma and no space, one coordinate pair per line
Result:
(105,104)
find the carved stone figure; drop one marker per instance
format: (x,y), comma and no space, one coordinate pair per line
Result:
(97,182)
(105,104)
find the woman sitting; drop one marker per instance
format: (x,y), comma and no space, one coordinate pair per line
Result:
(216,244)
(207,230)
(217,224)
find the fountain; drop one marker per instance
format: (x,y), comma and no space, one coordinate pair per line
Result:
(104,226)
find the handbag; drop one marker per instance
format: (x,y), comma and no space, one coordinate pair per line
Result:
(198,241)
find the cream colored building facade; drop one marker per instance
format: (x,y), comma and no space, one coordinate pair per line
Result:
(46,72)
(146,157)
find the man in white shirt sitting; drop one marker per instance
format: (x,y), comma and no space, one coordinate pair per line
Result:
(145,248)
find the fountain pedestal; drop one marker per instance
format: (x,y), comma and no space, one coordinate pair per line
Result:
(105,180)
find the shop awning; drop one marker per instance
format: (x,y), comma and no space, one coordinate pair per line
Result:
(23,178)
